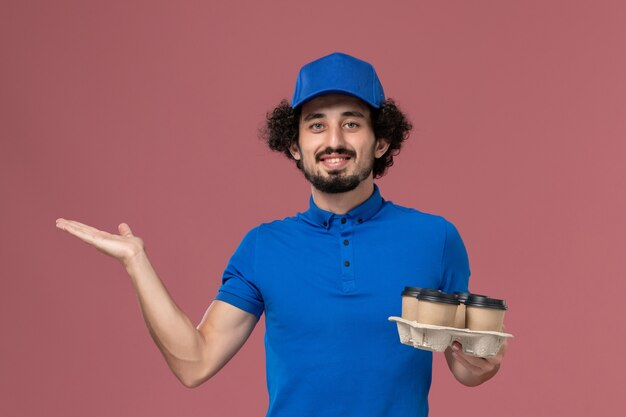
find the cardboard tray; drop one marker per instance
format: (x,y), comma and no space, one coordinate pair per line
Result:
(482,344)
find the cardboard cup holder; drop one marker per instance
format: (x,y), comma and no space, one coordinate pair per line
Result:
(483,344)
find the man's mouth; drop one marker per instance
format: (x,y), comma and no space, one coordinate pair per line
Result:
(334,162)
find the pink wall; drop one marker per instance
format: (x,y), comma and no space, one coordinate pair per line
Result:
(147,113)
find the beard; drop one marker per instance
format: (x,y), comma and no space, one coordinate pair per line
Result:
(335,182)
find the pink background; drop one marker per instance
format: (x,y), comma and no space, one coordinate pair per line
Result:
(147,112)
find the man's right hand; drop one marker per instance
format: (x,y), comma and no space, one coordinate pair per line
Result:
(123,247)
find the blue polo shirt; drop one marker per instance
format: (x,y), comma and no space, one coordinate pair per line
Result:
(327,284)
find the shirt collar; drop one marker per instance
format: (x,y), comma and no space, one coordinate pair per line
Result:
(361,213)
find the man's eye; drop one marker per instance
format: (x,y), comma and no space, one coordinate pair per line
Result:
(351,125)
(317,126)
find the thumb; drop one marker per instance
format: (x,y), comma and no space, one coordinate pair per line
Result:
(125,229)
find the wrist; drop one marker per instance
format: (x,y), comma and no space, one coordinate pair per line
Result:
(136,262)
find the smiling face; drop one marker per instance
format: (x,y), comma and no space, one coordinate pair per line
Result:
(336,146)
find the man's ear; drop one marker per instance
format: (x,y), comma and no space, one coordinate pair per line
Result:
(294,149)
(382,144)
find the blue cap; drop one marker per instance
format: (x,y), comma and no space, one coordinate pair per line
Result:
(338,73)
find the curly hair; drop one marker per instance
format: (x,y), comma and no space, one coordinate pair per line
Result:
(282,123)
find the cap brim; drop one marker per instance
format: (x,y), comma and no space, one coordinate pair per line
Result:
(323,92)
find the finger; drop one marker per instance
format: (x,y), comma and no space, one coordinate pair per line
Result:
(86,233)
(462,359)
(74,225)
(60,222)
(124,229)
(474,361)
(68,225)
(471,361)
(87,228)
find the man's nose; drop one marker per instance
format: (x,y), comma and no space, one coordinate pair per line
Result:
(336,137)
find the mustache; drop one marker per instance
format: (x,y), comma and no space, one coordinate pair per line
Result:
(330,151)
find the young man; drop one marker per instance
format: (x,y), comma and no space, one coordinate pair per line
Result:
(326,279)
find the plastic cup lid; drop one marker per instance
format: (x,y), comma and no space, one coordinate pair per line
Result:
(461,296)
(411,291)
(438,297)
(477,300)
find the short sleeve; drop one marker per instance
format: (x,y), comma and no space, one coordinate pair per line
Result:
(454,262)
(238,281)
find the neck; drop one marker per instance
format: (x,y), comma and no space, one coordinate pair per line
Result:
(341,203)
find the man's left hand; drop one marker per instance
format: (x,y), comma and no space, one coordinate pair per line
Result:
(471,370)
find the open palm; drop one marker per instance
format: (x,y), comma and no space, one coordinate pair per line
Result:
(123,247)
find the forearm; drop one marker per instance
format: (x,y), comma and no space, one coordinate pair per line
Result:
(173,332)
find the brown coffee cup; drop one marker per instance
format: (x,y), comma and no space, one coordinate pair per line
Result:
(409,303)
(436,308)
(459,317)
(484,314)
